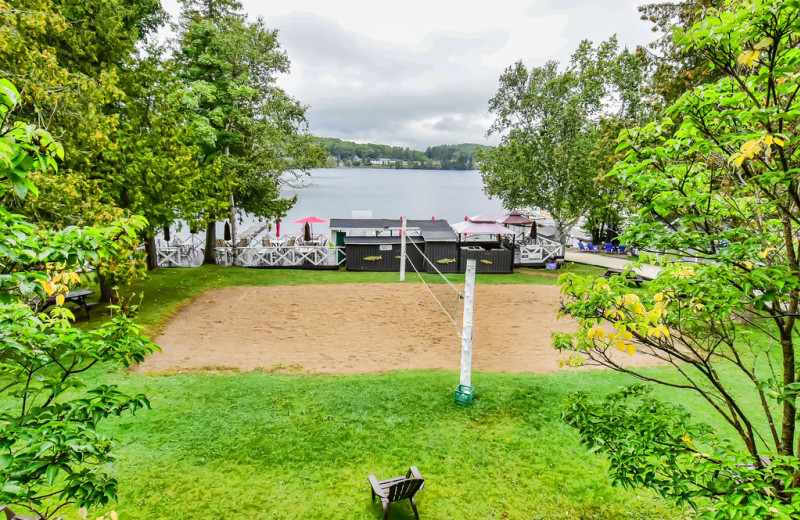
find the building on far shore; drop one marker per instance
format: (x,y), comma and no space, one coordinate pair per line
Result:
(383,161)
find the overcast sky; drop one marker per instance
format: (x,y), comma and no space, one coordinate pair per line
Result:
(421,72)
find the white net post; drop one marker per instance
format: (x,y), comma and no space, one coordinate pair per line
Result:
(403,250)
(466,329)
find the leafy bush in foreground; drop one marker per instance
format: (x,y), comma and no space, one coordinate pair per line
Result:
(51,453)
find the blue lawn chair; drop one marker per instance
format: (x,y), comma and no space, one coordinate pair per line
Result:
(621,249)
(583,248)
(592,248)
(609,247)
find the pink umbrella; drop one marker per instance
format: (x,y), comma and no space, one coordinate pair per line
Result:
(278,228)
(481,228)
(481,218)
(516,218)
(310,220)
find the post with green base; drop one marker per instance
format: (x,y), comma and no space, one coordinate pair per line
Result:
(465,392)
(403,250)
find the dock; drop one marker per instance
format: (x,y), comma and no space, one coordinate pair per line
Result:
(646,271)
(250,233)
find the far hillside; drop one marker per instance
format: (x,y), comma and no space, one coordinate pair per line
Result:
(443,157)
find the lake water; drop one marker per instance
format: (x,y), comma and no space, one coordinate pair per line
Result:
(416,194)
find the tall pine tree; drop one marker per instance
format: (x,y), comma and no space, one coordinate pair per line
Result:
(244,122)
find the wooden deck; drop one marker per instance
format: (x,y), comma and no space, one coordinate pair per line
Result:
(320,253)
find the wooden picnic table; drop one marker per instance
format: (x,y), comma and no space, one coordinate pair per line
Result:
(632,277)
(77,297)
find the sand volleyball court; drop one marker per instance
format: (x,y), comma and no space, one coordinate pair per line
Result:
(359,328)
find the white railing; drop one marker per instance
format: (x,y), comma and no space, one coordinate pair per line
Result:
(283,256)
(539,250)
(188,253)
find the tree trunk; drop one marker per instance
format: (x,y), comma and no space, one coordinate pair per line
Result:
(789,409)
(560,237)
(107,293)
(234,240)
(152,253)
(210,253)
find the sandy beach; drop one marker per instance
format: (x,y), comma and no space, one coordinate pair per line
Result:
(360,328)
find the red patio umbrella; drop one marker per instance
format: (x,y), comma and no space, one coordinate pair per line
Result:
(307,225)
(310,220)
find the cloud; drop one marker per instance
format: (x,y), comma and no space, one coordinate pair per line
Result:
(415,121)
(423,74)
(362,89)
(449,123)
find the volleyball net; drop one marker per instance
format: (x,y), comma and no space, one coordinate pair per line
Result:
(446,294)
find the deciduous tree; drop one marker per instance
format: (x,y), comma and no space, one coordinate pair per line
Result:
(152,168)
(674,68)
(244,122)
(715,181)
(67,56)
(51,451)
(115,107)
(548,120)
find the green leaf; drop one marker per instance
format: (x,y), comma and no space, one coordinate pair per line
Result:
(10,91)
(26,287)
(13,489)
(51,473)
(6,461)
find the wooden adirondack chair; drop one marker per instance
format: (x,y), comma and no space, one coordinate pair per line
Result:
(396,489)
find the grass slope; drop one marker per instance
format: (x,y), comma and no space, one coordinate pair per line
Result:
(264,446)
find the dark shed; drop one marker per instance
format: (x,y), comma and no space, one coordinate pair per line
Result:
(441,245)
(373,244)
(491,257)
(380,253)
(362,228)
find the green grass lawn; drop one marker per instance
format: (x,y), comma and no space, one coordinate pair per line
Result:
(258,445)
(263,446)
